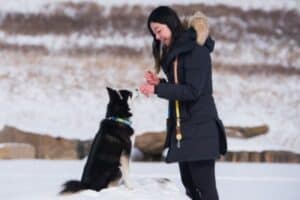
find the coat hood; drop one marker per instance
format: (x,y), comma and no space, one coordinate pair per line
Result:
(197,32)
(200,23)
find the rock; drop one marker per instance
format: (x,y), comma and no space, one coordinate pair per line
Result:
(46,147)
(264,156)
(20,144)
(281,156)
(151,144)
(17,151)
(246,132)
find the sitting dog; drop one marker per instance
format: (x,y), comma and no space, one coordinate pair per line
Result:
(108,160)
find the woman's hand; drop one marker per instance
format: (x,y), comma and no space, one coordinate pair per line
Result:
(151,78)
(147,89)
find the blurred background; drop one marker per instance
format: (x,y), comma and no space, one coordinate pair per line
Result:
(58,56)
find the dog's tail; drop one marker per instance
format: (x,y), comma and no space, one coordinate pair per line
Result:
(72,186)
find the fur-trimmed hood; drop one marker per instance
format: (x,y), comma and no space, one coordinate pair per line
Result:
(197,33)
(199,22)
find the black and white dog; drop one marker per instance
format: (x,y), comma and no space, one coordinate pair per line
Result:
(108,159)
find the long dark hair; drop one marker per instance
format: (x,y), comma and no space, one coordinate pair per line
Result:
(164,15)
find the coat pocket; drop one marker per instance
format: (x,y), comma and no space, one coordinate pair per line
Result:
(222,137)
(205,129)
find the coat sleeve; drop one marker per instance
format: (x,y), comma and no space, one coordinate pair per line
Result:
(196,76)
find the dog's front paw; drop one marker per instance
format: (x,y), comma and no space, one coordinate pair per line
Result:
(128,185)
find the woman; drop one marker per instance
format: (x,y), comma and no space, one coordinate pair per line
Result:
(183,53)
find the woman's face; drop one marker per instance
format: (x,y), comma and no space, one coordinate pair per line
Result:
(161,32)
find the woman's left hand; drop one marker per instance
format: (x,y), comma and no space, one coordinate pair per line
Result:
(147,89)
(151,78)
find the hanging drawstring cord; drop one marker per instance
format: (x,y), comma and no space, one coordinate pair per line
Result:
(178,130)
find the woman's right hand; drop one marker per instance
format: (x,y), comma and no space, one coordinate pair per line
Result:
(151,78)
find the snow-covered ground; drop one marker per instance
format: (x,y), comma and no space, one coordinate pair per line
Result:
(64,95)
(36,6)
(40,179)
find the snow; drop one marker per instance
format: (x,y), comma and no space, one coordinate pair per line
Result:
(61,95)
(251,50)
(260,51)
(4,145)
(250,101)
(36,6)
(41,179)
(35,98)
(54,42)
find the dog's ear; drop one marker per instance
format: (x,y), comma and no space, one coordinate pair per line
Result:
(113,95)
(125,94)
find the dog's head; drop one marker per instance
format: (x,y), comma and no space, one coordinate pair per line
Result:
(118,103)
